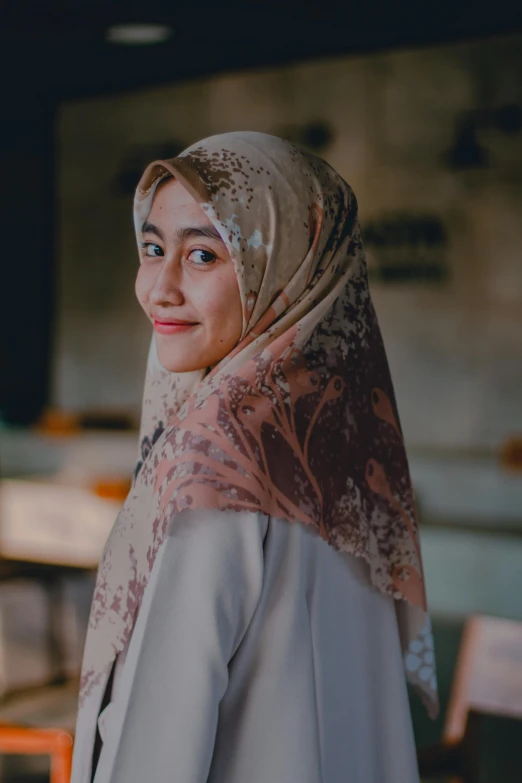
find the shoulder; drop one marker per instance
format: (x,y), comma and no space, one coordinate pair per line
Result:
(206,524)
(213,542)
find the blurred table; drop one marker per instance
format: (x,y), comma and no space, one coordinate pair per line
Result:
(50,533)
(47,523)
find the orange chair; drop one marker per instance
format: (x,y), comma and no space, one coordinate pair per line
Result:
(56,743)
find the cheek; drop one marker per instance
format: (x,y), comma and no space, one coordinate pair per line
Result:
(142,286)
(220,302)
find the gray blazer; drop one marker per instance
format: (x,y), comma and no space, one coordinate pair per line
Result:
(259,655)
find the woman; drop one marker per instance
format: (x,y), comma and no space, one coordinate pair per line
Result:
(263,582)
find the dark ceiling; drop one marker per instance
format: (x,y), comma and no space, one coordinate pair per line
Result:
(58,47)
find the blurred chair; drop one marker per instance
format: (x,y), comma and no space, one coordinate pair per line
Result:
(487,681)
(53,742)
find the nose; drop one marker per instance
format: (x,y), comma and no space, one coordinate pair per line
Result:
(166,289)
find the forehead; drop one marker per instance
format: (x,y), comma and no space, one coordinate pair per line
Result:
(172,203)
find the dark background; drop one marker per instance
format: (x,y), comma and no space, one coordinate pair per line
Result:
(54,51)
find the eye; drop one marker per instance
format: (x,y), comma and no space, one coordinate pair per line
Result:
(151,249)
(202,257)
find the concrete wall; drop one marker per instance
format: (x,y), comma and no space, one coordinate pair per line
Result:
(455,346)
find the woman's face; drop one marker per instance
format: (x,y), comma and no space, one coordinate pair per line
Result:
(187,284)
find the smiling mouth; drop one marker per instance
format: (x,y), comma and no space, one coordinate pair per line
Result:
(172,327)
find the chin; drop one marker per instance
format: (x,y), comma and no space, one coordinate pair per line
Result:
(178,355)
(178,364)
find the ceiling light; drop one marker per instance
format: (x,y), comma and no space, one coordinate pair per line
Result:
(133,34)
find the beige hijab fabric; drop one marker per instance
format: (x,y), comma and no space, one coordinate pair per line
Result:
(299,421)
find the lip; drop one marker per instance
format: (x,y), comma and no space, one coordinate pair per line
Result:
(172,327)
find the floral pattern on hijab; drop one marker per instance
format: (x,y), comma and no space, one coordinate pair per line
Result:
(299,421)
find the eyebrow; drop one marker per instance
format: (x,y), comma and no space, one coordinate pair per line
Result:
(209,232)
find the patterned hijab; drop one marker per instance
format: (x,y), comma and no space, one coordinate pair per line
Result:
(299,421)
